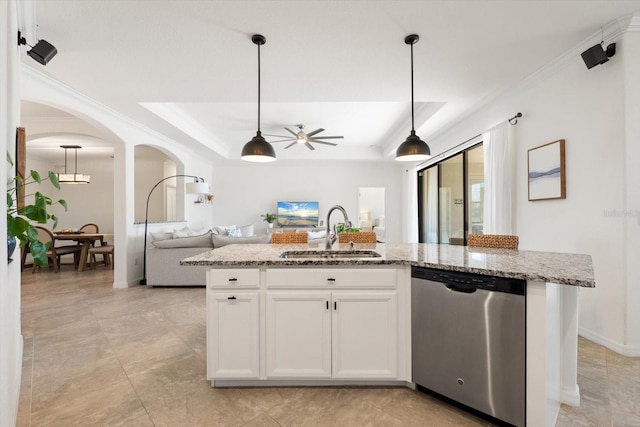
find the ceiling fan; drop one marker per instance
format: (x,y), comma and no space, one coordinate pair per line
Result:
(307,139)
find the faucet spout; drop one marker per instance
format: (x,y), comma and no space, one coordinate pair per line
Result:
(330,238)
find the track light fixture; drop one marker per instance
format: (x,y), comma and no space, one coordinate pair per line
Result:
(258,149)
(42,52)
(413,149)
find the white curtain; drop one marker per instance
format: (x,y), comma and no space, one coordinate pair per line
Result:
(432,205)
(499,177)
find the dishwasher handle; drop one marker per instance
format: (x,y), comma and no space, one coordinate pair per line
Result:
(462,289)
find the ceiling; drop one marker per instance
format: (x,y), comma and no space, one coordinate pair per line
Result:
(188,69)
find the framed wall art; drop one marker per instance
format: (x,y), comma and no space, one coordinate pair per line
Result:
(546,172)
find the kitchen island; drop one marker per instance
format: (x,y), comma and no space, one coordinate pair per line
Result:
(288,321)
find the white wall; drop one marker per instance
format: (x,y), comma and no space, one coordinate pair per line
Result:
(10,334)
(243,191)
(588,109)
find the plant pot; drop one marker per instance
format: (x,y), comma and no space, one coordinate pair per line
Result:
(269,225)
(11,246)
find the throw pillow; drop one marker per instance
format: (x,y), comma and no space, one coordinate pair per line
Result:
(247,230)
(202,241)
(234,232)
(220,241)
(162,235)
(317,234)
(222,229)
(183,232)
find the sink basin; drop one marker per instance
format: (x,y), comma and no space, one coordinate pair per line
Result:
(330,254)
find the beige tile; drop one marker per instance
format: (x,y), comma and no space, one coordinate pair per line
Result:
(262,420)
(625,419)
(113,405)
(301,404)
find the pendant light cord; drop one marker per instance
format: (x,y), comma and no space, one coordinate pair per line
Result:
(412,123)
(258,87)
(75,170)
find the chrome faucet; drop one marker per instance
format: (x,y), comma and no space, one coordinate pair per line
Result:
(330,237)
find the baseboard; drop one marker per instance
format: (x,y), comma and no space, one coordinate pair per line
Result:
(125,285)
(570,396)
(625,350)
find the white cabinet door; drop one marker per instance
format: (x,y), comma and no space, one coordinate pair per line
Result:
(364,335)
(298,336)
(233,335)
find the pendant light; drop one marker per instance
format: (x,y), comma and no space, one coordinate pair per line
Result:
(75,177)
(413,149)
(258,149)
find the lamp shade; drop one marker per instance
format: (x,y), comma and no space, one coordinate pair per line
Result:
(197,188)
(413,149)
(258,150)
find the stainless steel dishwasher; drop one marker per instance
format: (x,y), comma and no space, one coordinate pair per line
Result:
(468,340)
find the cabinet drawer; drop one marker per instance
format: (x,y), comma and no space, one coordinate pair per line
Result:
(234,278)
(289,278)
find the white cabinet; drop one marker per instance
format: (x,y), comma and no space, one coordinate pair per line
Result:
(233,324)
(364,335)
(298,334)
(332,334)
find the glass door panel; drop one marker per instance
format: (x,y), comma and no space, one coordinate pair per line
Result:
(451,210)
(475,190)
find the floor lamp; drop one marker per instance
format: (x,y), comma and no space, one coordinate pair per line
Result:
(196,187)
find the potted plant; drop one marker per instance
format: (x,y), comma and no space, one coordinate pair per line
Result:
(269,218)
(19,220)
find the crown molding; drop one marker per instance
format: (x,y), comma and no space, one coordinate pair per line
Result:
(28,72)
(634,25)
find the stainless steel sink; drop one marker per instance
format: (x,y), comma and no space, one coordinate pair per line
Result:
(330,254)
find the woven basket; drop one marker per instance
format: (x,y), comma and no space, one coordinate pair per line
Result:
(500,241)
(279,238)
(361,237)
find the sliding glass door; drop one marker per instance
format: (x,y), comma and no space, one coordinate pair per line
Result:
(451,198)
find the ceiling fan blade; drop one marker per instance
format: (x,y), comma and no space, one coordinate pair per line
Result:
(325,137)
(281,140)
(290,145)
(309,146)
(315,132)
(325,143)
(276,136)
(291,132)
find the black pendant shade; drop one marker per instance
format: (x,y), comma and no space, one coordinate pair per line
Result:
(258,149)
(413,149)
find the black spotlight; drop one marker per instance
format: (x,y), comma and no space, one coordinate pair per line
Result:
(596,55)
(43,51)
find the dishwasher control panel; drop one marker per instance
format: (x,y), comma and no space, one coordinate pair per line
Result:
(468,282)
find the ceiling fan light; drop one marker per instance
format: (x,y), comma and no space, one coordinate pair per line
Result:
(413,149)
(258,150)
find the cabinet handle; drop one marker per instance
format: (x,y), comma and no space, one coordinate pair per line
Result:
(233,279)
(335,305)
(331,279)
(231,298)
(327,304)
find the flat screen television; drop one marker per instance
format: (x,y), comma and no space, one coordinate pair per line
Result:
(297,214)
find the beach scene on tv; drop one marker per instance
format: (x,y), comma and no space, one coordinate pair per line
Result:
(297,214)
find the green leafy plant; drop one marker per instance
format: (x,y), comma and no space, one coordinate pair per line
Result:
(19,220)
(341,228)
(269,217)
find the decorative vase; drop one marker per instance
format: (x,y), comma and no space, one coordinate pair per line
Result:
(11,246)
(269,225)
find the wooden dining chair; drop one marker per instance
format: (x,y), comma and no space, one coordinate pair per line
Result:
(89,228)
(283,238)
(107,255)
(499,241)
(53,253)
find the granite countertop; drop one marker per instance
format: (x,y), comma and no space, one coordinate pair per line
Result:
(561,268)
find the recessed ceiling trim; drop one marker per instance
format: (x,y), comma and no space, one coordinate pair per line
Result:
(178,118)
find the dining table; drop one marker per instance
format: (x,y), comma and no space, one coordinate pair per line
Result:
(84,240)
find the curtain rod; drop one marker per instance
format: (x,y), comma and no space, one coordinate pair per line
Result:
(512,121)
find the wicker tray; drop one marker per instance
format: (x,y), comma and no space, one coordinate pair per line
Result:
(361,237)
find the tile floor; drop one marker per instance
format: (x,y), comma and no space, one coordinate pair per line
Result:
(95,356)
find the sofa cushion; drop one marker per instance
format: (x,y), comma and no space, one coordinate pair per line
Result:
(220,241)
(247,230)
(162,235)
(201,241)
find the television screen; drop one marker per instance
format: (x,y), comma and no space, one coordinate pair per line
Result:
(298,214)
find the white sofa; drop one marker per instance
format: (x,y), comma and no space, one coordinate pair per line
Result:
(165,253)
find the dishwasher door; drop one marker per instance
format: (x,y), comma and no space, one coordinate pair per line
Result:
(468,335)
